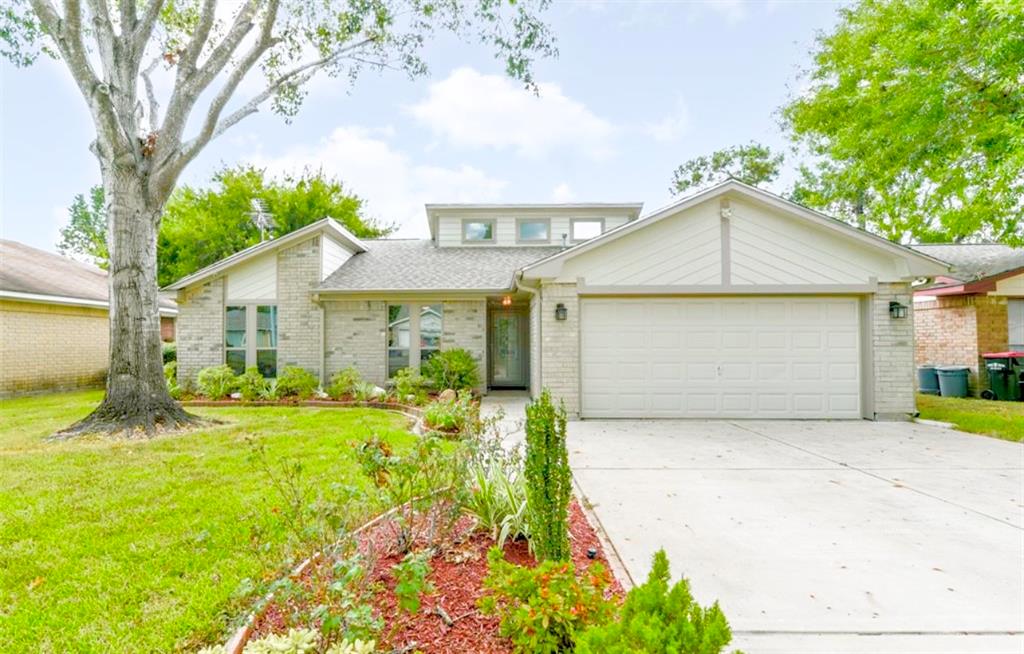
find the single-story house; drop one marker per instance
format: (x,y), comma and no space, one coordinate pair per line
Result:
(54,332)
(731,303)
(977,307)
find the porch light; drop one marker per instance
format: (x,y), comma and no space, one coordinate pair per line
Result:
(506,301)
(561,313)
(897,311)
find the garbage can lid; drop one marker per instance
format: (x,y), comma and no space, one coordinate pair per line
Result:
(1012,354)
(952,368)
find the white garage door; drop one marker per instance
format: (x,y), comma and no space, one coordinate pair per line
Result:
(772,357)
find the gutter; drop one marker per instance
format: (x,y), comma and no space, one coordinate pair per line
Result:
(42,298)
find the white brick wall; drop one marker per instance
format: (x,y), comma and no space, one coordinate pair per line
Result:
(560,354)
(355,336)
(298,317)
(200,327)
(893,345)
(465,326)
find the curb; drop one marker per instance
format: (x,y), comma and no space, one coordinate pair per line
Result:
(611,553)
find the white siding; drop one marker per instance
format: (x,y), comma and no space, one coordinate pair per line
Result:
(255,279)
(1010,286)
(334,254)
(1015,320)
(449,228)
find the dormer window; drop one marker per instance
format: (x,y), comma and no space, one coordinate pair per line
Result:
(533,230)
(584,229)
(478,231)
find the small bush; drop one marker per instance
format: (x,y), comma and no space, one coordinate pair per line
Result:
(498,502)
(543,608)
(452,416)
(658,620)
(409,386)
(171,377)
(455,369)
(296,382)
(548,479)
(365,392)
(253,386)
(217,382)
(344,382)
(170,352)
(411,581)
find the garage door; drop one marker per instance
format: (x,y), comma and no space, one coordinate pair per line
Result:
(774,357)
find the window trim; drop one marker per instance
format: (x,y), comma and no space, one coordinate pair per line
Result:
(572,228)
(523,221)
(471,241)
(415,308)
(251,328)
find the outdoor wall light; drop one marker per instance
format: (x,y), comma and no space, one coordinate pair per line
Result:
(561,313)
(897,311)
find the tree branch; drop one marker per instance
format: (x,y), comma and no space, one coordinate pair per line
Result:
(144,29)
(154,106)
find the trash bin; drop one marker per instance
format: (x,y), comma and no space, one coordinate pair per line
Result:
(952,381)
(1005,376)
(927,380)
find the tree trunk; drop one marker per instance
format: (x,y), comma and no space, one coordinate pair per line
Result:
(136,400)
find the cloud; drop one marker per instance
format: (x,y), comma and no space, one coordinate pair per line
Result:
(395,187)
(562,193)
(672,126)
(732,10)
(471,109)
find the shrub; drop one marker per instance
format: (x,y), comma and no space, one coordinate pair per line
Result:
(409,386)
(296,382)
(217,382)
(253,386)
(543,608)
(171,377)
(344,382)
(498,501)
(296,641)
(548,479)
(365,392)
(411,581)
(658,620)
(455,369)
(170,352)
(452,416)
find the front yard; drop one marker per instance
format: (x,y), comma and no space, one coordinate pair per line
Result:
(1003,420)
(152,545)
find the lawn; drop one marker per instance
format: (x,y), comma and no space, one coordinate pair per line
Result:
(1003,420)
(145,546)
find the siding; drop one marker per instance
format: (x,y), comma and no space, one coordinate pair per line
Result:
(255,279)
(334,255)
(449,228)
(1010,286)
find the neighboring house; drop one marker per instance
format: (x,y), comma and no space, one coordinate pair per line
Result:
(730,303)
(54,332)
(978,307)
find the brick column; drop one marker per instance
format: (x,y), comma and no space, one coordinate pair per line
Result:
(893,344)
(560,353)
(200,329)
(298,317)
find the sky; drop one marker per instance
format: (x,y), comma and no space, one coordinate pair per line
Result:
(637,89)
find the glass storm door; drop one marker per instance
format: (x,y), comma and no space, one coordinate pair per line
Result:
(508,349)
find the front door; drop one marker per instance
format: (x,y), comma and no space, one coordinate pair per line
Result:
(508,349)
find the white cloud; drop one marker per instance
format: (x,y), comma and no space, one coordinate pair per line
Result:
(472,109)
(672,126)
(733,10)
(395,187)
(562,193)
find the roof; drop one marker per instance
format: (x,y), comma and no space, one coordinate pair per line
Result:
(419,265)
(972,262)
(327,226)
(631,209)
(930,263)
(31,274)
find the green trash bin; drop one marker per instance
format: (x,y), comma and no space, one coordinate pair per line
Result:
(1005,376)
(952,381)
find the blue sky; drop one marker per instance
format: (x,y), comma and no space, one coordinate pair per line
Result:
(637,89)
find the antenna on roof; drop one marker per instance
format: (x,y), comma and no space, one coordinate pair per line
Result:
(261,218)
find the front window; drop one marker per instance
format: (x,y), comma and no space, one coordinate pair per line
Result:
(584,229)
(234,338)
(430,331)
(266,340)
(250,338)
(399,337)
(534,230)
(413,336)
(477,230)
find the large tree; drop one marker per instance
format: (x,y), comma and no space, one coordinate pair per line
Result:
(914,119)
(753,163)
(122,53)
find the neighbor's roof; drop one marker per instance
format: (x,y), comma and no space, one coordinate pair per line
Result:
(34,275)
(418,265)
(972,262)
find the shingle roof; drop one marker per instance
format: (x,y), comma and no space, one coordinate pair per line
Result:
(25,269)
(972,262)
(418,265)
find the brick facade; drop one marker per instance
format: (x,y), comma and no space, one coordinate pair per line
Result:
(958,329)
(298,317)
(355,336)
(560,346)
(200,329)
(893,354)
(465,326)
(46,347)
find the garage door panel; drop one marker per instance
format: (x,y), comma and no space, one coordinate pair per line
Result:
(721,357)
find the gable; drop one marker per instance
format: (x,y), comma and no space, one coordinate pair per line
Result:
(255,279)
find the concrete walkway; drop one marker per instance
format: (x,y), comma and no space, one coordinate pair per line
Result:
(821,536)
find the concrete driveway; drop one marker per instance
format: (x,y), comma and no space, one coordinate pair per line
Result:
(821,536)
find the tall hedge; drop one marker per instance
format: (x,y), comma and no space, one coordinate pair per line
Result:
(548,479)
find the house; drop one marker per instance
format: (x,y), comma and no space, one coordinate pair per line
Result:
(730,303)
(54,332)
(978,307)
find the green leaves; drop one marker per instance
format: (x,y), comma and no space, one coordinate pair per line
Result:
(86,231)
(548,479)
(411,580)
(754,164)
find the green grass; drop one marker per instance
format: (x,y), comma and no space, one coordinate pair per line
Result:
(1003,420)
(142,546)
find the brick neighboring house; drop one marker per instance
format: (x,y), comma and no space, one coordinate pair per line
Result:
(730,303)
(54,332)
(977,308)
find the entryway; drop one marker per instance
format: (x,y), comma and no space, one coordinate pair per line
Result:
(508,336)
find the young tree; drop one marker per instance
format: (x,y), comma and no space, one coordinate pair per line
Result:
(114,49)
(752,163)
(85,234)
(914,111)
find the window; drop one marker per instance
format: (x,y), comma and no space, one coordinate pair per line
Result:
(250,338)
(1015,323)
(477,231)
(584,229)
(413,336)
(533,230)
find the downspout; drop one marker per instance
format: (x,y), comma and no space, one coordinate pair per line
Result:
(517,283)
(323,352)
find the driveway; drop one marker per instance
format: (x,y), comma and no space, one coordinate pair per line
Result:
(821,536)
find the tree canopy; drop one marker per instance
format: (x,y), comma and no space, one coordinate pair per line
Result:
(86,231)
(752,163)
(914,120)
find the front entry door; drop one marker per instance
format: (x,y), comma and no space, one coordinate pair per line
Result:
(509,351)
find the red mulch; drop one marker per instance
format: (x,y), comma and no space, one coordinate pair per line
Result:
(457,576)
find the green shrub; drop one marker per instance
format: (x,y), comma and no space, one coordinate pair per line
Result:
(452,416)
(658,620)
(253,386)
(455,369)
(344,382)
(409,386)
(296,382)
(171,377)
(365,392)
(217,382)
(542,609)
(548,479)
(170,352)
(497,501)
(411,580)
